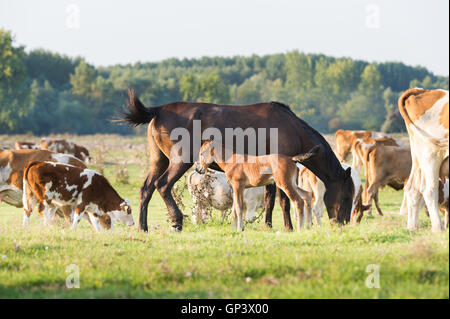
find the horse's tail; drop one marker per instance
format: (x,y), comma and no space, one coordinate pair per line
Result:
(137,113)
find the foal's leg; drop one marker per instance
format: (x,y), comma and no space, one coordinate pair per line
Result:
(164,185)
(285,207)
(234,217)
(269,202)
(238,204)
(294,196)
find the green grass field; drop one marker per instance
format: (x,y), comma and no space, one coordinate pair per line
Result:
(211,261)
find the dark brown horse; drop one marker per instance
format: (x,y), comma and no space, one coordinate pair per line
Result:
(294,137)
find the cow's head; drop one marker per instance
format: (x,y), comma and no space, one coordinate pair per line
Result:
(123,214)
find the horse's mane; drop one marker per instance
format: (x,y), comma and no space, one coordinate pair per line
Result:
(328,152)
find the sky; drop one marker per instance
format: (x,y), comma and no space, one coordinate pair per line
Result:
(415,32)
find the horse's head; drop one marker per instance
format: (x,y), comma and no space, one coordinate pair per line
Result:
(205,157)
(338,198)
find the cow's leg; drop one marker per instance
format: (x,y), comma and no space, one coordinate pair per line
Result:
(269,202)
(413,196)
(164,185)
(95,221)
(430,167)
(250,209)
(79,213)
(29,204)
(446,217)
(67,213)
(48,212)
(377,206)
(286,208)
(158,165)
(404,207)
(318,210)
(356,163)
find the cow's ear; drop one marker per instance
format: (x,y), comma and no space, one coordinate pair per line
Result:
(348,173)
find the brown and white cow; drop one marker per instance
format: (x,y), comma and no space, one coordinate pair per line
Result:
(51,185)
(65,147)
(426,116)
(12,164)
(345,141)
(26,146)
(310,183)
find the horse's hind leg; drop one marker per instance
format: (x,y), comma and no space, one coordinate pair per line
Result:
(158,165)
(269,202)
(164,185)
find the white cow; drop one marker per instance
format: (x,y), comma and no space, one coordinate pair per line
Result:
(309,182)
(214,190)
(426,116)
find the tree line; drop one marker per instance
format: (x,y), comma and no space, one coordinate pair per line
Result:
(43,92)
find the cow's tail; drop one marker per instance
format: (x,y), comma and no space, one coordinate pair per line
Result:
(137,113)
(26,183)
(439,142)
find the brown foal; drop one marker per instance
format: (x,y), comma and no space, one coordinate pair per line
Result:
(245,171)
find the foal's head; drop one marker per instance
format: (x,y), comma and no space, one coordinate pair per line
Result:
(206,156)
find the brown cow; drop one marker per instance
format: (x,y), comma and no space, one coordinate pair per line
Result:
(385,165)
(12,163)
(391,165)
(51,185)
(66,147)
(27,146)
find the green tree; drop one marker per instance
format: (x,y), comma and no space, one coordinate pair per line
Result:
(83,80)
(207,88)
(299,71)
(13,92)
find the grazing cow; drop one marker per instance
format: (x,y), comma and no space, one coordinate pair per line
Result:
(51,185)
(213,189)
(309,182)
(245,171)
(385,165)
(26,146)
(12,163)
(66,147)
(426,116)
(345,141)
(362,145)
